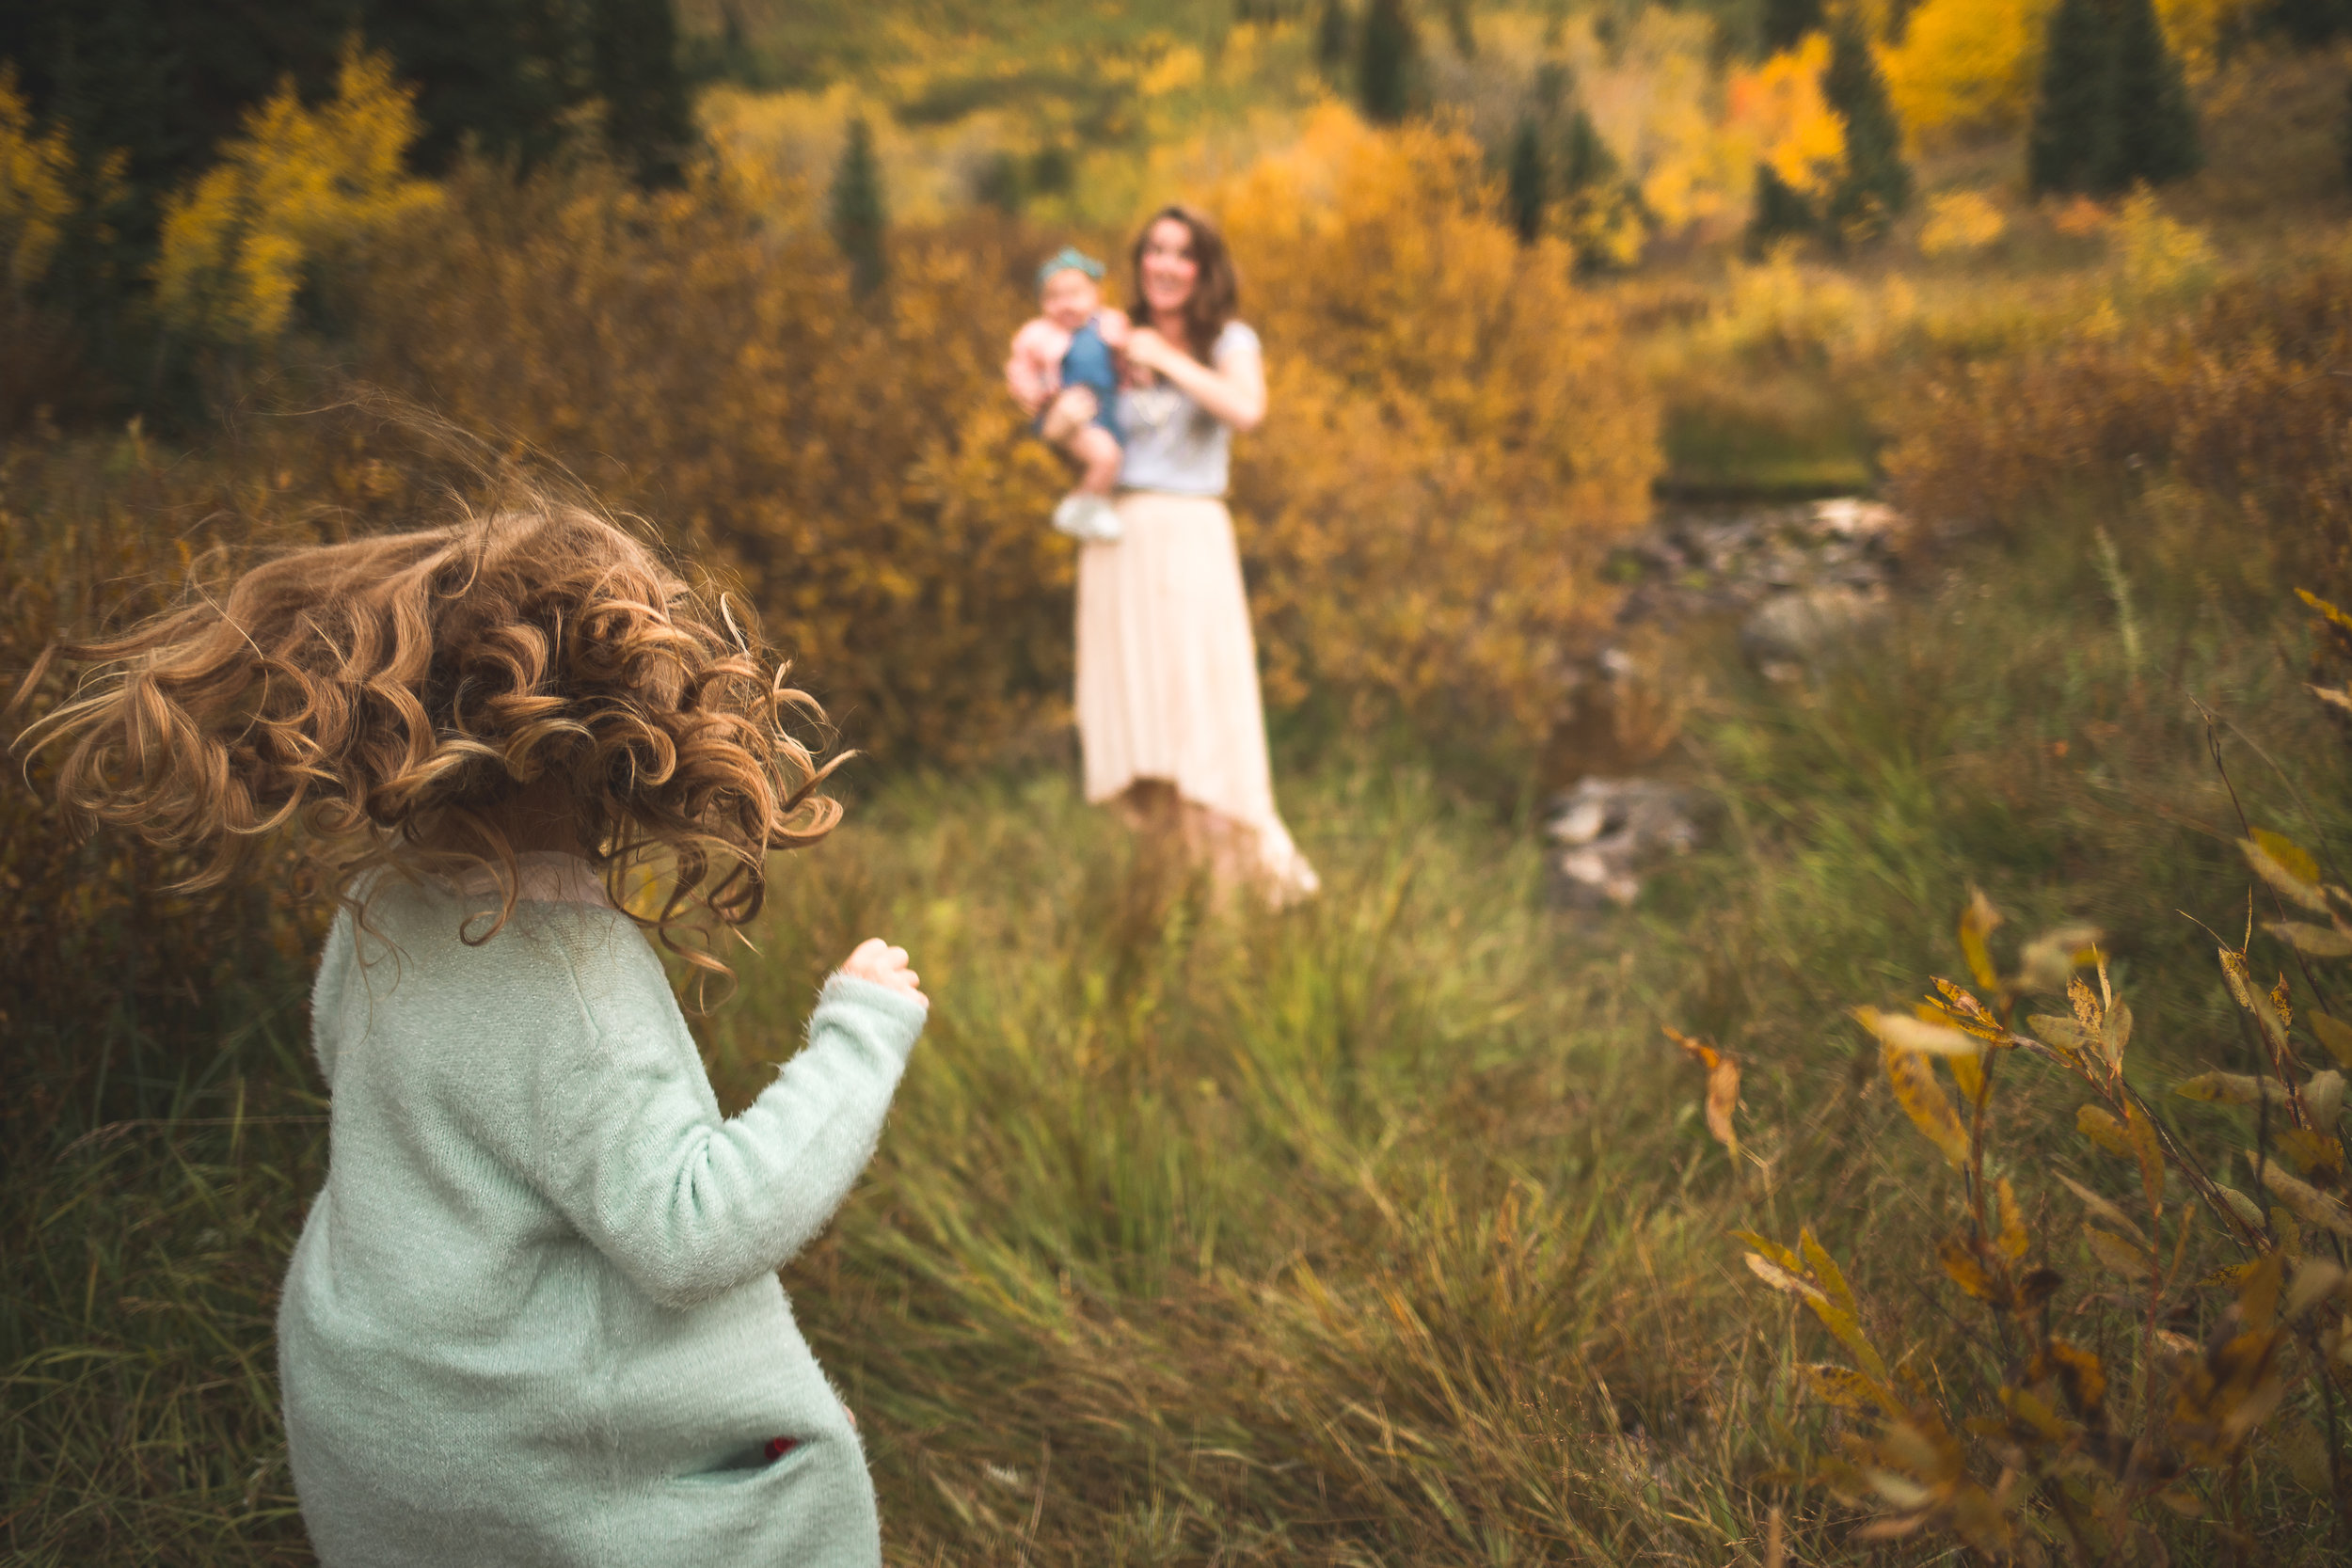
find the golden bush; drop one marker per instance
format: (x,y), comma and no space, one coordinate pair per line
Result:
(1456,435)
(704,364)
(2239,397)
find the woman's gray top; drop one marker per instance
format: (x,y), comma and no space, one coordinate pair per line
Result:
(1173,444)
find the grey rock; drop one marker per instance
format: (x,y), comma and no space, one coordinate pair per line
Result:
(1608,833)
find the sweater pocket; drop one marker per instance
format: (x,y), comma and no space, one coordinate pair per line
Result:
(748,1464)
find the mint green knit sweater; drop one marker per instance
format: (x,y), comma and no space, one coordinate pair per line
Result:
(534,1317)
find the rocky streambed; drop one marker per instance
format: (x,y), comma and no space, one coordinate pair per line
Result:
(1793,578)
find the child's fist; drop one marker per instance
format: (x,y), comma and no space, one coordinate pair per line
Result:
(884,965)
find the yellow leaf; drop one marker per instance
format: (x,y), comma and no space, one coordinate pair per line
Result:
(1825,1269)
(2149,1150)
(2307,1202)
(2105,1210)
(2334,1034)
(1924,1101)
(2308,1152)
(2315,1280)
(2230,1088)
(2118,1255)
(2061,1034)
(2050,960)
(2306,1453)
(1777,1277)
(1968,1072)
(1965,1269)
(2326,609)
(2285,865)
(1722,1087)
(2318,942)
(1977,923)
(1847,1389)
(2244,1207)
(1904,1033)
(2323,1097)
(1771,1250)
(2012,1238)
(2099,1125)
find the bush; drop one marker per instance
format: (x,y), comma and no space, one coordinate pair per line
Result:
(2237,397)
(1457,437)
(708,367)
(1446,407)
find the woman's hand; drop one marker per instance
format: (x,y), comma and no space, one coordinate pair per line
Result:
(1149,351)
(878,961)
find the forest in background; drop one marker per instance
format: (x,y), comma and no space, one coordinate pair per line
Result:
(1394,1230)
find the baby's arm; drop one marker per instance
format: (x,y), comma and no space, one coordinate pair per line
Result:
(690,1206)
(1028,373)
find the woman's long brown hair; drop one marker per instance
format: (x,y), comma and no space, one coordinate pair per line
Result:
(387,696)
(1216,287)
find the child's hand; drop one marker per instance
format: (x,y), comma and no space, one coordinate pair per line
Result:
(1114,329)
(884,965)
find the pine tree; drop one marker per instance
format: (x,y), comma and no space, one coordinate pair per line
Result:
(1598,208)
(1458,28)
(1875,185)
(1779,212)
(633,58)
(855,212)
(1787,22)
(1384,71)
(1335,37)
(1527,181)
(2152,136)
(2070,110)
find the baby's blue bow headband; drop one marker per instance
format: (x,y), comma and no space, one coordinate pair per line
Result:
(1066,257)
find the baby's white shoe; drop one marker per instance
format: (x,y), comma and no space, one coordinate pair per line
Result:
(1086,515)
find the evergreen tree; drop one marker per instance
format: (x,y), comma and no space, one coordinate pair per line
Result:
(1458,28)
(1875,185)
(1385,63)
(1527,181)
(2071,114)
(1599,210)
(2309,21)
(1779,212)
(633,56)
(2152,136)
(1787,22)
(855,212)
(1335,37)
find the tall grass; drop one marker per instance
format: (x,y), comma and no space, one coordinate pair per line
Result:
(1385,1230)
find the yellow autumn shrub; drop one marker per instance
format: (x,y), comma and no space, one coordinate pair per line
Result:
(2234,394)
(36,190)
(1966,65)
(301,185)
(1780,109)
(1456,435)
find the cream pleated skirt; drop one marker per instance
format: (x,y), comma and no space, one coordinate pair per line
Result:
(1168,674)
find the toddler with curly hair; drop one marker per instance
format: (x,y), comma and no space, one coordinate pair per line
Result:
(534,1316)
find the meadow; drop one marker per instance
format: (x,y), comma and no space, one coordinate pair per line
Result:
(1396,1227)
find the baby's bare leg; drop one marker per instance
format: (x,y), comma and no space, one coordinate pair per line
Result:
(1098,451)
(1072,411)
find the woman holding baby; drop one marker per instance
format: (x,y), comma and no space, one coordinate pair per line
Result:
(1169,715)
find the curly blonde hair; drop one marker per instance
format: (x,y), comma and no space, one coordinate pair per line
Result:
(394,697)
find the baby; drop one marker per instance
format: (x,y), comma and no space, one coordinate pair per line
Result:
(1061,370)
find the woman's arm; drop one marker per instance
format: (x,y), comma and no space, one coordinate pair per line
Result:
(1233,391)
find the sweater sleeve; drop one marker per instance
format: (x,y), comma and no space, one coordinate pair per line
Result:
(688,1205)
